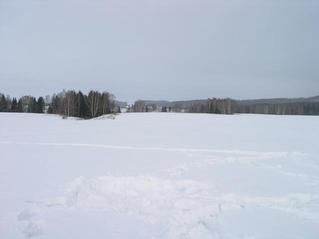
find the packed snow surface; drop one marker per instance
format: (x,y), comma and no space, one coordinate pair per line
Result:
(159,175)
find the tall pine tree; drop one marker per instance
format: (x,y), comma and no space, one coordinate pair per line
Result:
(40,105)
(14,105)
(20,106)
(83,108)
(3,104)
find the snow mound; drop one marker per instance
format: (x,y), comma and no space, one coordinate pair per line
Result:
(183,208)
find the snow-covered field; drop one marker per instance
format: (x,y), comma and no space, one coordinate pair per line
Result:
(159,175)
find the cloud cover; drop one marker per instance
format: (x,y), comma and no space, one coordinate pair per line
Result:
(177,49)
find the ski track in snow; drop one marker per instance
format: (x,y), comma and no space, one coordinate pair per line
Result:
(188,208)
(168,149)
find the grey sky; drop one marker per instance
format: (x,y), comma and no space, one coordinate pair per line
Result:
(161,49)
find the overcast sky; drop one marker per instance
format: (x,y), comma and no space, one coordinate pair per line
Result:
(161,49)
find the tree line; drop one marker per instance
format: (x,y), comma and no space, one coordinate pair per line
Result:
(27,104)
(66,103)
(291,108)
(304,106)
(214,105)
(94,104)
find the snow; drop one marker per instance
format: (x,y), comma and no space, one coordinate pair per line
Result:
(159,175)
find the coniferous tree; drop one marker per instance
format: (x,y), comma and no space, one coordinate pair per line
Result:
(32,107)
(14,105)
(83,109)
(40,105)
(20,106)
(50,109)
(3,104)
(54,104)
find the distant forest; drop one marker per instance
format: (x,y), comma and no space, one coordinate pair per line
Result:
(94,104)
(67,103)
(280,106)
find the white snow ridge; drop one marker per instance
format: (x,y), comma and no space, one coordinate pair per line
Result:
(184,208)
(183,205)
